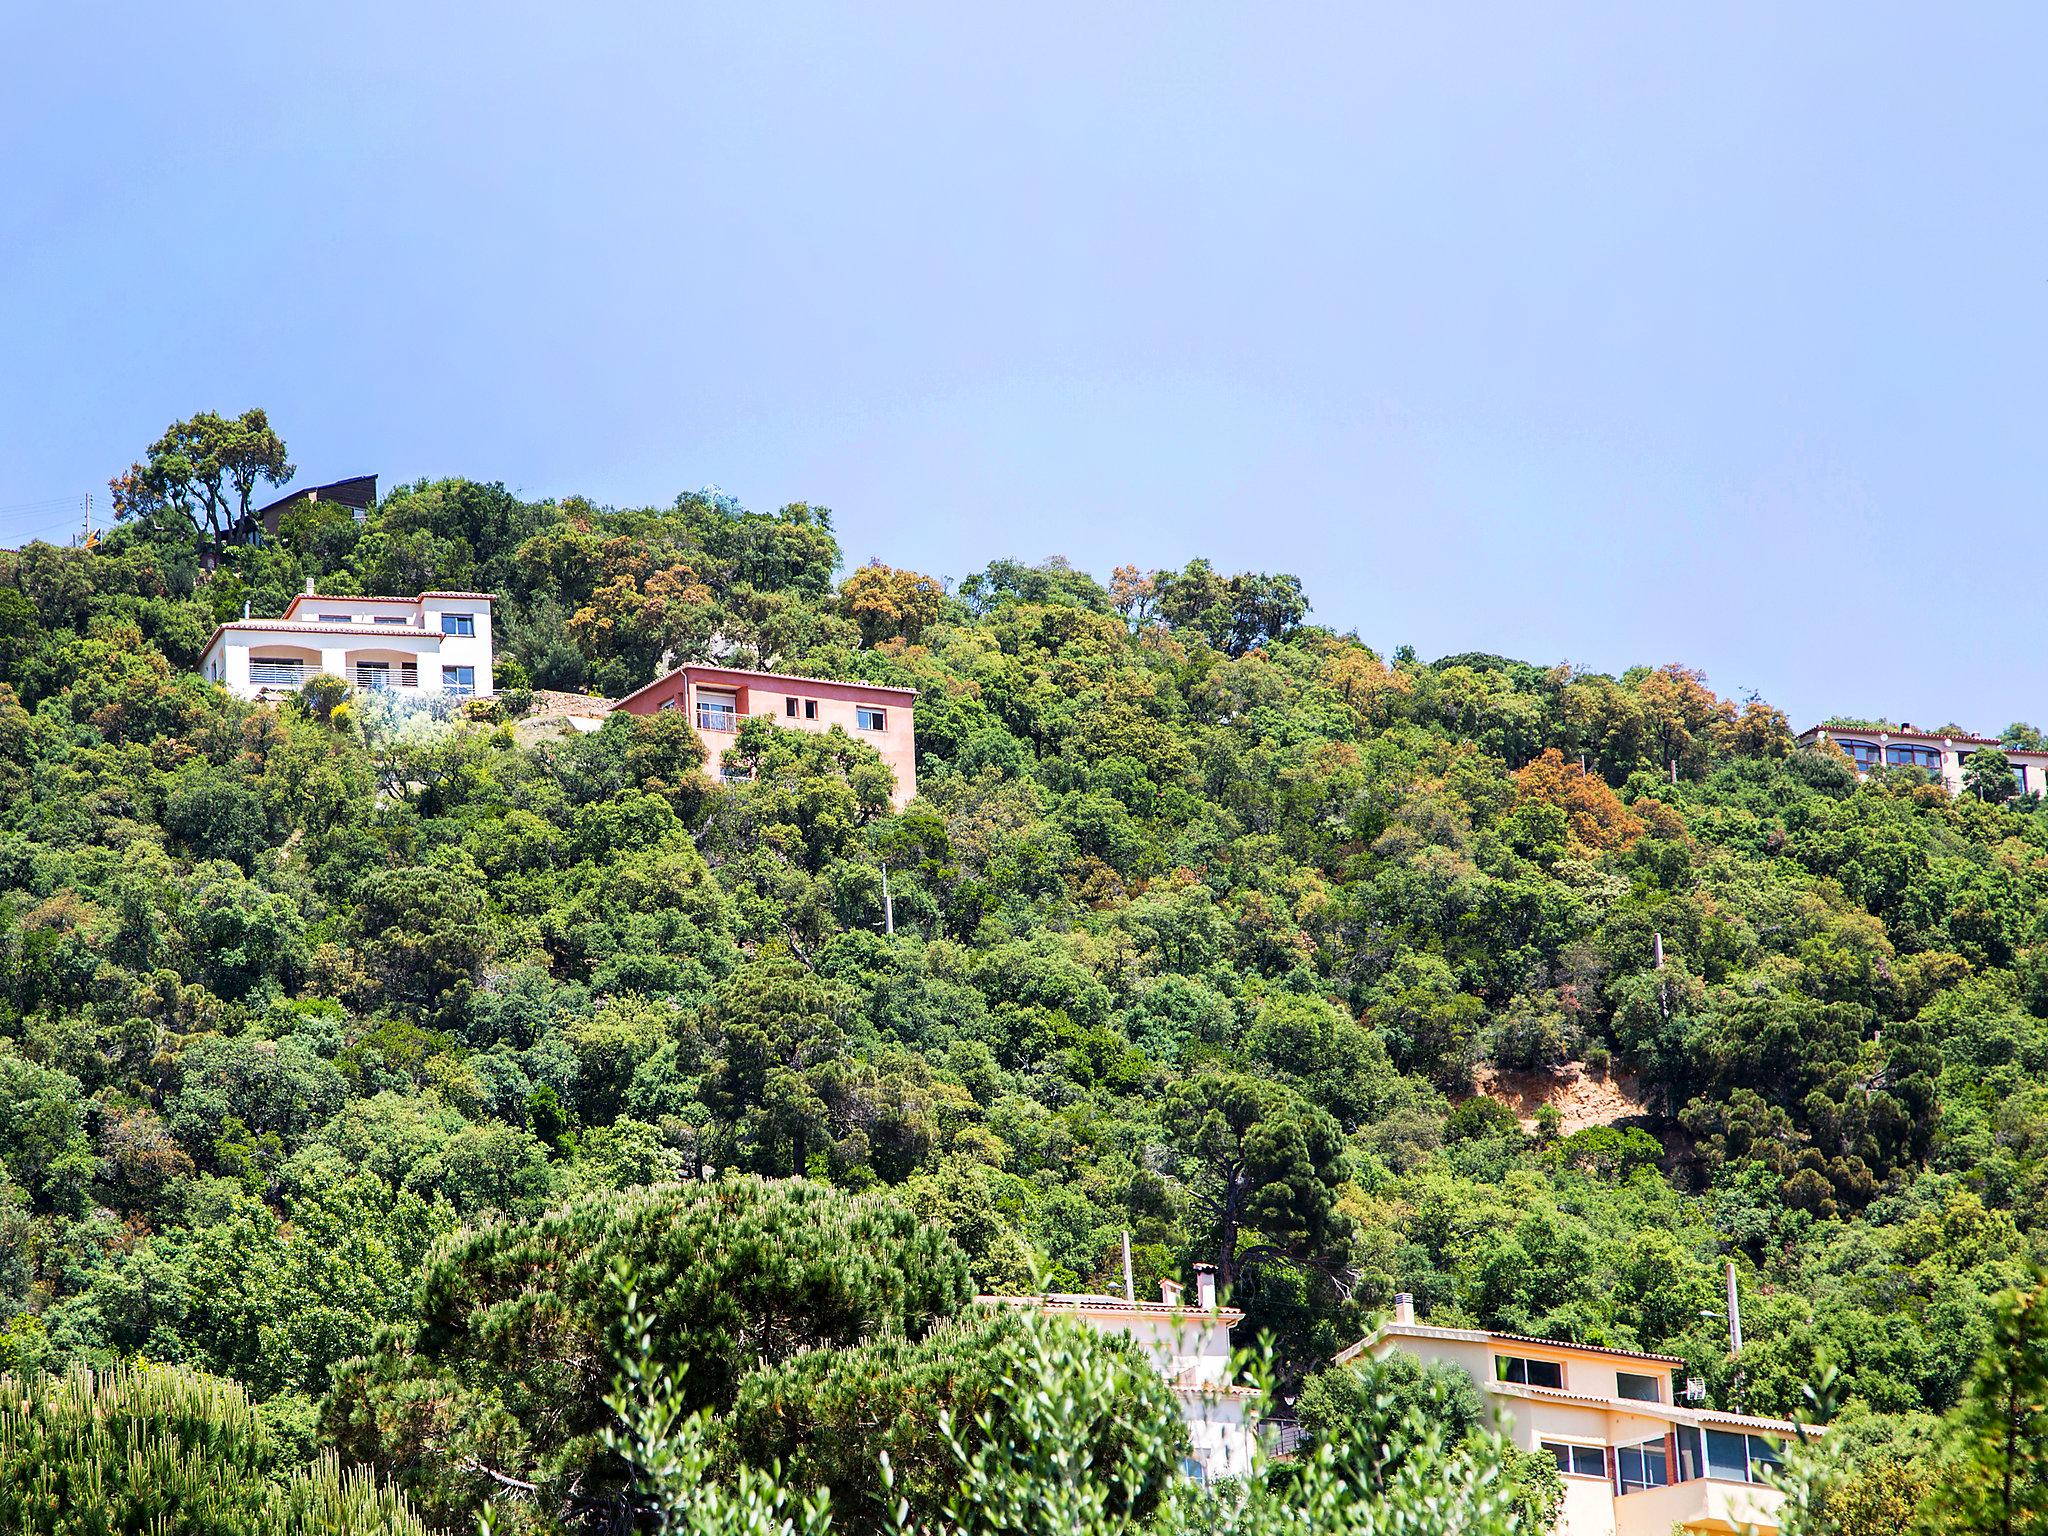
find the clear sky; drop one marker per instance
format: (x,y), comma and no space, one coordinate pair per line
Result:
(1603,333)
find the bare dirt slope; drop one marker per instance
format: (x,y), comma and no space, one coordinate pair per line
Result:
(1583,1098)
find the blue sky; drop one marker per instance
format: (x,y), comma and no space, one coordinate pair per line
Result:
(1608,334)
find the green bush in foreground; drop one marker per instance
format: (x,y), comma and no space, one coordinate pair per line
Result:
(164,1451)
(1040,1476)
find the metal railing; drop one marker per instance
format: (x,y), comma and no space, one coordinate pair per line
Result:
(384,678)
(277,674)
(717,717)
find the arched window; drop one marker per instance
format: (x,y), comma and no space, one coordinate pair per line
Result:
(1902,755)
(1863,754)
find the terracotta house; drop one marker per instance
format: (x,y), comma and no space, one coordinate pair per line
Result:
(716,699)
(1635,1460)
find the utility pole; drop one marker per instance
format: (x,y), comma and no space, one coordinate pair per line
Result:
(888,905)
(87,543)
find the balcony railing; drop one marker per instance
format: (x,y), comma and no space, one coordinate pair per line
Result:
(717,717)
(277,674)
(385,678)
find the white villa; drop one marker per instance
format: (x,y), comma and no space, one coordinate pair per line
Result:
(1634,1462)
(1191,1347)
(436,643)
(1941,754)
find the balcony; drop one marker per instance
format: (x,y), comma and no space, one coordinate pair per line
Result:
(717,717)
(1704,1504)
(383,677)
(277,674)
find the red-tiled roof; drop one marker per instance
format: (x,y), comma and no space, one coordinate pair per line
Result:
(1598,1349)
(1898,733)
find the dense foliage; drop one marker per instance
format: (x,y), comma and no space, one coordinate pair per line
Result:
(1208,922)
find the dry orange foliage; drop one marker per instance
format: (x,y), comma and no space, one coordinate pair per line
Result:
(1595,817)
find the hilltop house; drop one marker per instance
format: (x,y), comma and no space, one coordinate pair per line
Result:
(1191,1348)
(1634,1461)
(436,643)
(716,699)
(1941,754)
(358,493)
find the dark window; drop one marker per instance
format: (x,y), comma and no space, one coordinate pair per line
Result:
(1727,1456)
(458,624)
(1529,1373)
(870,719)
(789,708)
(1690,1461)
(1638,1389)
(1641,1466)
(810,709)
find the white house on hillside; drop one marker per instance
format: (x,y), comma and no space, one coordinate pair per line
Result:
(1191,1347)
(436,643)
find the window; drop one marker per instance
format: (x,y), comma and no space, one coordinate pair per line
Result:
(1728,1456)
(1691,1461)
(382,619)
(458,624)
(810,709)
(1638,1389)
(1578,1460)
(1914,757)
(335,618)
(1641,1466)
(718,712)
(460,680)
(870,719)
(1861,753)
(789,708)
(2019,776)
(1529,1373)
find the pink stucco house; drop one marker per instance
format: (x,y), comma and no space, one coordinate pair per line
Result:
(716,699)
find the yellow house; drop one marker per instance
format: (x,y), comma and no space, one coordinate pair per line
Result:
(1635,1462)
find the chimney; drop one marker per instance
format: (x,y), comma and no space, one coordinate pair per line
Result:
(1205,1287)
(1170,1292)
(1404,1310)
(309,586)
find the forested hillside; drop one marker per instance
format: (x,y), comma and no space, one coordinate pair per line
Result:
(1205,919)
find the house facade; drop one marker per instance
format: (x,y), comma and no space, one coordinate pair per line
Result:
(1942,754)
(716,699)
(438,643)
(1634,1461)
(1190,1345)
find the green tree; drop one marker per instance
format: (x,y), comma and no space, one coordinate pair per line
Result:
(1993,1478)
(1987,774)
(204,470)
(161,1451)
(500,1383)
(1265,1167)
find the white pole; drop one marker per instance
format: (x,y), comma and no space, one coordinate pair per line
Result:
(1734,1314)
(1130,1286)
(888,904)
